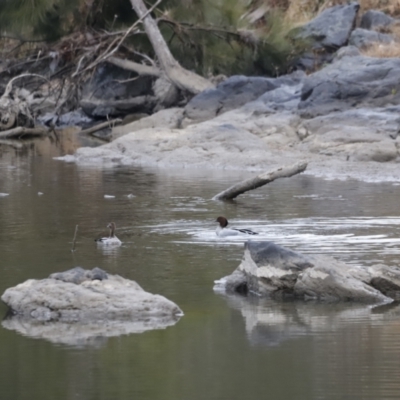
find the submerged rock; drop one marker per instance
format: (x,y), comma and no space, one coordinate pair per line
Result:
(273,271)
(94,302)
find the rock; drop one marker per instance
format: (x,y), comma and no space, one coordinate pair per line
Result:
(243,138)
(79,275)
(329,31)
(233,93)
(273,271)
(72,118)
(362,38)
(80,300)
(102,108)
(350,82)
(166,93)
(360,134)
(347,51)
(373,19)
(170,118)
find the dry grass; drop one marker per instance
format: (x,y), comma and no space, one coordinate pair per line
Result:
(301,11)
(380,50)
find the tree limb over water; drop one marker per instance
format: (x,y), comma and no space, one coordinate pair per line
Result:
(179,76)
(261,180)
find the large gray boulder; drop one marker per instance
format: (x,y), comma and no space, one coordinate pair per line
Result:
(233,93)
(331,29)
(87,302)
(360,134)
(374,19)
(363,38)
(350,82)
(325,34)
(273,271)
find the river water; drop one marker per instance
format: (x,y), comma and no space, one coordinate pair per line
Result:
(224,347)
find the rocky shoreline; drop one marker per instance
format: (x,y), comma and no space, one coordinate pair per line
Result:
(342,119)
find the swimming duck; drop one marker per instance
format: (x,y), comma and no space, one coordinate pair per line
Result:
(223,231)
(112,239)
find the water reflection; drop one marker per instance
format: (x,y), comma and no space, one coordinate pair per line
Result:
(223,348)
(270,323)
(85,333)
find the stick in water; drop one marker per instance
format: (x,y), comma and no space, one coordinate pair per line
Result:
(74,239)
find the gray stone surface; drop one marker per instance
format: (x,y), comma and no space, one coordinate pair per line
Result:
(169,118)
(325,34)
(331,29)
(87,298)
(343,120)
(349,82)
(373,19)
(233,93)
(362,38)
(273,271)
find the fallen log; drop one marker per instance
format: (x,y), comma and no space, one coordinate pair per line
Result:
(141,69)
(20,131)
(179,76)
(102,125)
(261,180)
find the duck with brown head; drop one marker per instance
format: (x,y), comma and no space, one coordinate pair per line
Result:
(223,230)
(112,239)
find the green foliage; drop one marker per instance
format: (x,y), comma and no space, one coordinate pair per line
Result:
(216,37)
(209,36)
(47,19)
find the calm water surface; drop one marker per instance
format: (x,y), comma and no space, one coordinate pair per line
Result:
(225,347)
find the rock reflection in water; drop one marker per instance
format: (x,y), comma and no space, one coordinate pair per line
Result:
(87,333)
(270,323)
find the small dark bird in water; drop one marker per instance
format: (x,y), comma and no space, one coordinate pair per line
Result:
(222,229)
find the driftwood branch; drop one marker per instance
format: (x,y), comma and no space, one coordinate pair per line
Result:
(179,76)
(260,180)
(98,127)
(10,83)
(141,69)
(22,131)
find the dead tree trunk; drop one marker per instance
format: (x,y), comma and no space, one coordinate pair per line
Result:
(179,76)
(260,180)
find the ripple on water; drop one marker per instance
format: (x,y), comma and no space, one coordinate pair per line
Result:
(340,237)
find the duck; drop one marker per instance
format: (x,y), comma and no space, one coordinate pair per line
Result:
(223,231)
(112,239)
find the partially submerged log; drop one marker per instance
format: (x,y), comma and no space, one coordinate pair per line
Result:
(102,125)
(261,180)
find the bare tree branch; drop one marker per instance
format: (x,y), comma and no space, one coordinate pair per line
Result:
(179,76)
(260,180)
(141,69)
